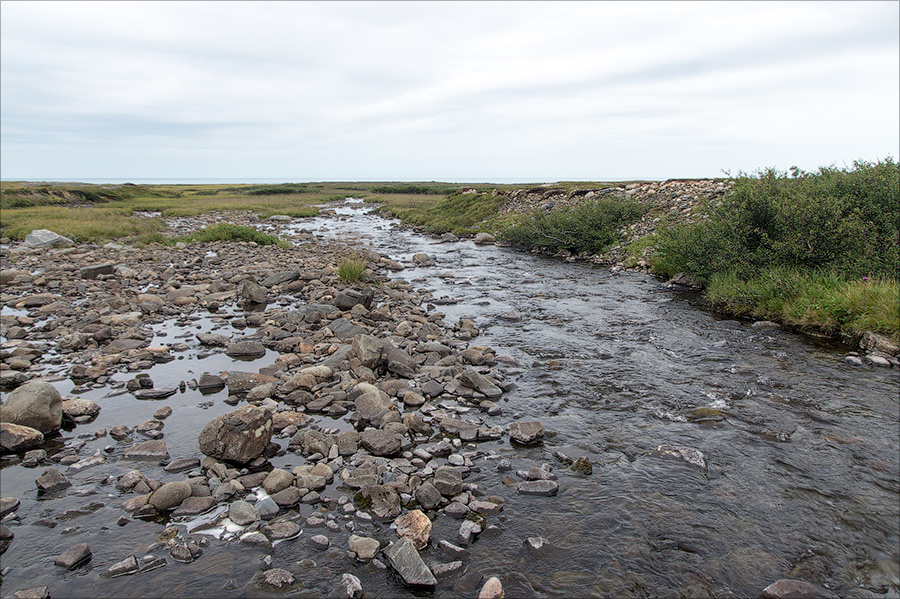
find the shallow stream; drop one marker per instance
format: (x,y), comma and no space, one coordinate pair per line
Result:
(802,449)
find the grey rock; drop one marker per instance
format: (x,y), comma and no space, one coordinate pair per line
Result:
(319,542)
(241,382)
(788,588)
(193,506)
(213,340)
(448,480)
(276,578)
(404,558)
(477,381)
(380,443)
(45,238)
(526,433)
(7,505)
(690,455)
(277,480)
(364,548)
(170,495)
(238,436)
(52,480)
(149,450)
(127,566)
(352,586)
(452,551)
(447,569)
(151,394)
(484,239)
(427,495)
(245,349)
(243,513)
(368,349)
(15,438)
(95,270)
(538,487)
(74,556)
(277,531)
(41,592)
(209,383)
(385,501)
(36,404)
(267,508)
(279,278)
(287,497)
(252,292)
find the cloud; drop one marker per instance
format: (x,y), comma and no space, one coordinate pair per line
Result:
(399,90)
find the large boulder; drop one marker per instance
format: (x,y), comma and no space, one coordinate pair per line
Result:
(45,238)
(36,404)
(238,436)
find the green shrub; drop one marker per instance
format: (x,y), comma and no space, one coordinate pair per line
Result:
(844,221)
(230,232)
(589,226)
(414,189)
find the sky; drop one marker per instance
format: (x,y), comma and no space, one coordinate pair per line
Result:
(444,91)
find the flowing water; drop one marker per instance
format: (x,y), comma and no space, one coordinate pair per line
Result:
(802,476)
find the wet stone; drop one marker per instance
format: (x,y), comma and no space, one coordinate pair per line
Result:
(74,556)
(52,480)
(538,487)
(408,563)
(277,531)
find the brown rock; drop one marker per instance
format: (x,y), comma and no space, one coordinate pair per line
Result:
(36,404)
(415,526)
(238,436)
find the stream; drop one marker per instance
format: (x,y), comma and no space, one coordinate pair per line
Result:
(802,450)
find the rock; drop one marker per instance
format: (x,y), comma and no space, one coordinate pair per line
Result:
(364,548)
(344,330)
(384,501)
(170,495)
(52,480)
(787,588)
(484,239)
(150,394)
(194,506)
(415,526)
(474,380)
(15,438)
(352,586)
(148,450)
(212,340)
(241,382)
(583,466)
(278,531)
(78,407)
(690,455)
(538,487)
(279,278)
(7,505)
(536,545)
(277,480)
(182,464)
(526,433)
(42,592)
(210,383)
(44,238)
(368,349)
(492,589)
(287,497)
(243,513)
(448,480)
(408,563)
(95,270)
(276,578)
(319,542)
(876,342)
(428,496)
(399,362)
(36,404)
(252,292)
(422,260)
(123,345)
(380,443)
(373,405)
(74,556)
(246,349)
(238,436)
(452,551)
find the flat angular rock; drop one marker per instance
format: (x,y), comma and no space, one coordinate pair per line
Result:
(74,556)
(408,563)
(194,506)
(241,382)
(161,393)
(95,270)
(7,505)
(492,589)
(448,480)
(182,465)
(788,588)
(42,592)
(123,345)
(210,383)
(75,408)
(278,278)
(538,487)
(526,433)
(127,566)
(45,238)
(245,349)
(380,442)
(690,455)
(281,530)
(474,380)
(364,548)
(148,450)
(52,480)
(252,292)
(428,496)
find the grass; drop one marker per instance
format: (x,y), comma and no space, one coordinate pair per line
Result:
(91,224)
(351,268)
(811,301)
(459,213)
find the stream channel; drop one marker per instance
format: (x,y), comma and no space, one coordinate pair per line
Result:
(802,476)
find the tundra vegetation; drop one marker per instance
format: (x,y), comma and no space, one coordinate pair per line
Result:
(814,250)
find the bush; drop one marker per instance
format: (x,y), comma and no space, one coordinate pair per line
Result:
(842,221)
(590,226)
(230,232)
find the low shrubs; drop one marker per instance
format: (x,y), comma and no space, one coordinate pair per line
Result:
(230,232)
(590,226)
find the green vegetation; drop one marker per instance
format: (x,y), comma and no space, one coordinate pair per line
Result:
(415,189)
(351,268)
(815,250)
(229,232)
(460,213)
(590,226)
(89,224)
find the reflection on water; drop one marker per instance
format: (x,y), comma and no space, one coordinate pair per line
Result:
(803,476)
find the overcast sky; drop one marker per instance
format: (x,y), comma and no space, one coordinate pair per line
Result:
(455,91)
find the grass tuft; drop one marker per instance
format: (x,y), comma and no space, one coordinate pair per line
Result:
(351,268)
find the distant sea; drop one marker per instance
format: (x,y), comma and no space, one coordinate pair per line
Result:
(271,181)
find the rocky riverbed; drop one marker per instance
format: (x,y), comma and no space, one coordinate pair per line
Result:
(231,419)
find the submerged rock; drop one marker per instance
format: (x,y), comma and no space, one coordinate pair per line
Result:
(408,563)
